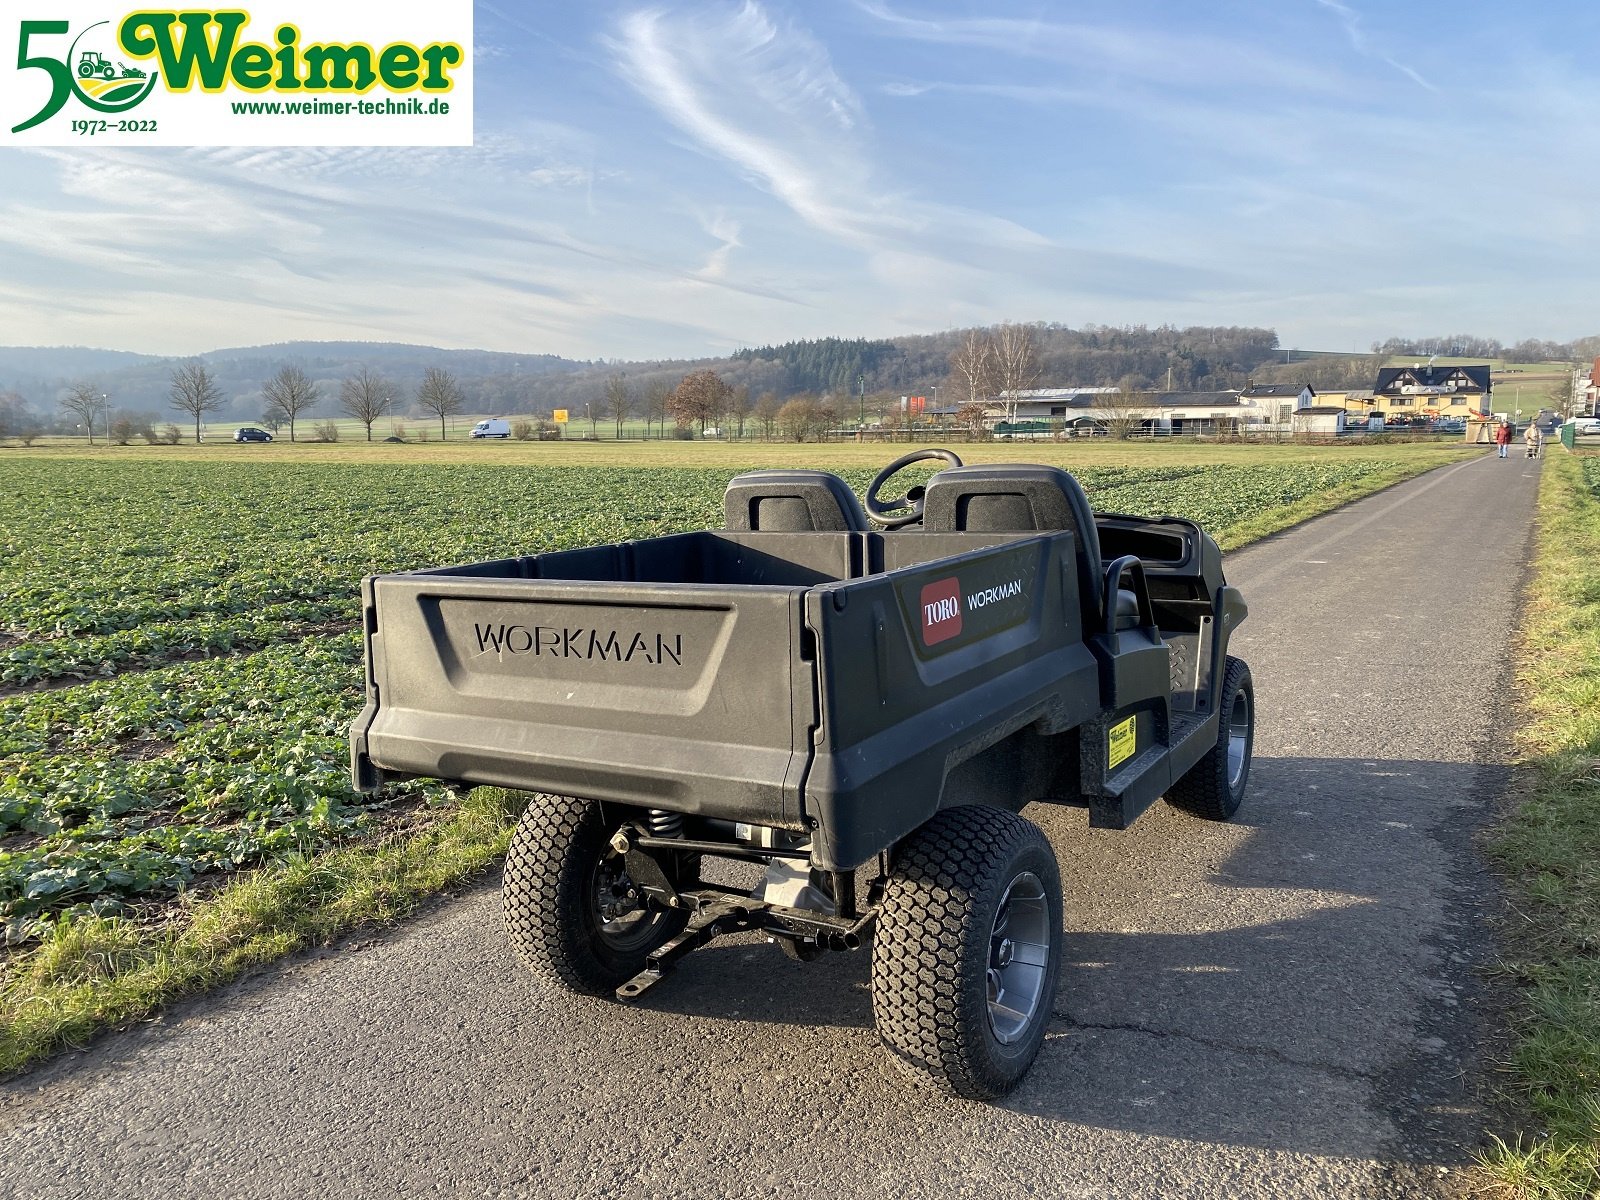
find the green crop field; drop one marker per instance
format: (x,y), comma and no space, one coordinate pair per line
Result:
(179,661)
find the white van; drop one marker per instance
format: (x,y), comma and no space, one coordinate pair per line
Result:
(494,427)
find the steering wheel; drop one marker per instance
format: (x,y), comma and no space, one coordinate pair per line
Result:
(879,510)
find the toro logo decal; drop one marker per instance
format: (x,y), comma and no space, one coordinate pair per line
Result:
(941,611)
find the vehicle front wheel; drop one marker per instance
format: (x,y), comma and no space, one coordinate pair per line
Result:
(1214,786)
(573,915)
(966,950)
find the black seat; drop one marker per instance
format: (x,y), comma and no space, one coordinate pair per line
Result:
(791,502)
(1023,498)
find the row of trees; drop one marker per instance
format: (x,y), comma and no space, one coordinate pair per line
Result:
(700,401)
(287,398)
(1466,345)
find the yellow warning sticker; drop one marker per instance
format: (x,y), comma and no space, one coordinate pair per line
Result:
(1122,742)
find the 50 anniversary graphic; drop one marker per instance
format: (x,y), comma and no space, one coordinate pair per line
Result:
(315,73)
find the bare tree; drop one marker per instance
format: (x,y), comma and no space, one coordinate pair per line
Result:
(366,396)
(800,418)
(288,394)
(739,408)
(195,391)
(1016,364)
(1120,411)
(974,417)
(439,395)
(13,414)
(619,400)
(766,413)
(656,397)
(699,396)
(718,400)
(973,366)
(86,401)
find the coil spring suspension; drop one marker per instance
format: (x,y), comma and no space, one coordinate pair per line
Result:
(665,824)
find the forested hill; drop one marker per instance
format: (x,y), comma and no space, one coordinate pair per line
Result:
(1198,357)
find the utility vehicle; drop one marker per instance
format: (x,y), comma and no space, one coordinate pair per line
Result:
(858,707)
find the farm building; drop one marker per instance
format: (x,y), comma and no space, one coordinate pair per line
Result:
(1154,412)
(1319,420)
(1281,400)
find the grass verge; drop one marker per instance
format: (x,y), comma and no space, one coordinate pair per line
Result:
(1276,520)
(94,973)
(1550,849)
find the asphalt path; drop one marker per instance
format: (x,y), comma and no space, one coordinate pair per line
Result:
(1286,1005)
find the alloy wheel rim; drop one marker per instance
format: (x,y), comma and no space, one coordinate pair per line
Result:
(1238,738)
(1019,955)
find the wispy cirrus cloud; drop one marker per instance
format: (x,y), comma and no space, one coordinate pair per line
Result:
(761,95)
(451,247)
(1148,51)
(1356,32)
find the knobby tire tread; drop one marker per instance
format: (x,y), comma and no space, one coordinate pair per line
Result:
(928,997)
(544,902)
(1203,791)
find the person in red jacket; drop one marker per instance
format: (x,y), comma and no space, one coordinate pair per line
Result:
(1502,438)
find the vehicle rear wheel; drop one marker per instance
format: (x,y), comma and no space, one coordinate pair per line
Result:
(1214,786)
(571,912)
(966,950)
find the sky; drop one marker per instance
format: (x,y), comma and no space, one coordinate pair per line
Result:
(682,180)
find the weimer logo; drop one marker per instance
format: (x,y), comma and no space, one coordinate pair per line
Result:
(941,611)
(285,73)
(604,645)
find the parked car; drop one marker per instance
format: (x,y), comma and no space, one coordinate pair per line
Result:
(1585,426)
(494,427)
(249,433)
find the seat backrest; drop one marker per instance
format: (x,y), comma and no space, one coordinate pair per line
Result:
(1019,498)
(791,502)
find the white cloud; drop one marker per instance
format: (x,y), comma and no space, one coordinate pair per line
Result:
(1354,30)
(725,230)
(764,98)
(755,94)
(1148,51)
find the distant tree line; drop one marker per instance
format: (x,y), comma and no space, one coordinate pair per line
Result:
(1463,345)
(792,390)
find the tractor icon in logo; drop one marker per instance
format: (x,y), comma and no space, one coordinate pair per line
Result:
(103,83)
(94,63)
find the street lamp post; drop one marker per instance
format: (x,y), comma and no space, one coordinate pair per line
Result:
(861,382)
(105,407)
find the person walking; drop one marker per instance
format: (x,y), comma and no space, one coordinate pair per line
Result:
(1502,439)
(1535,439)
